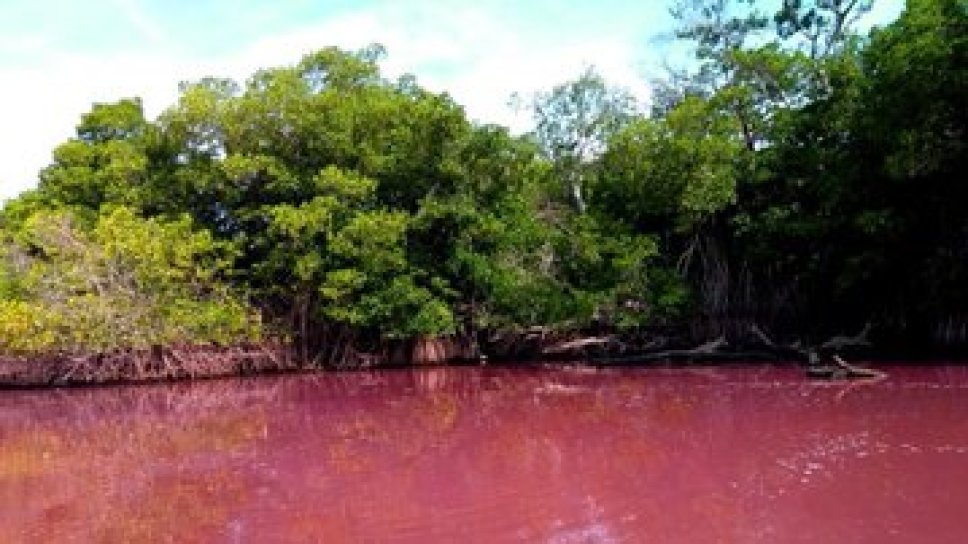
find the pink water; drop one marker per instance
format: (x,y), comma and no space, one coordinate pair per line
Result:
(746,454)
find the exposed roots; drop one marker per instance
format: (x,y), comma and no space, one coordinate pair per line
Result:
(151,364)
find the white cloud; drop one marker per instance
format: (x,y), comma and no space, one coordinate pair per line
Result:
(45,103)
(490,58)
(479,54)
(474,54)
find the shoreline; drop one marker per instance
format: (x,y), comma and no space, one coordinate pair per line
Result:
(144,365)
(132,367)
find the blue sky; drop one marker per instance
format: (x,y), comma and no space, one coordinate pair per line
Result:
(57,57)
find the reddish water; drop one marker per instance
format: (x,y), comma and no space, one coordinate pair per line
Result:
(492,455)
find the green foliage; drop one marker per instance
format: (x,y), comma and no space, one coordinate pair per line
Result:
(783,179)
(106,162)
(821,25)
(572,124)
(848,204)
(682,168)
(126,282)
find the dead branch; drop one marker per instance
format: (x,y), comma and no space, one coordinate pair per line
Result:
(793,350)
(710,347)
(761,336)
(856,371)
(841,342)
(713,348)
(580,344)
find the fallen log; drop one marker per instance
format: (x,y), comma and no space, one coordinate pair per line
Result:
(838,369)
(842,342)
(580,345)
(835,367)
(714,349)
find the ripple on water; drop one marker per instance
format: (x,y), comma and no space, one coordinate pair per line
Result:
(745,454)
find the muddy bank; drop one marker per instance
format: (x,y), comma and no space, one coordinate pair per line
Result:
(537,345)
(145,365)
(172,363)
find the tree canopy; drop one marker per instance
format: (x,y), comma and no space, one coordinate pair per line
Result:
(797,175)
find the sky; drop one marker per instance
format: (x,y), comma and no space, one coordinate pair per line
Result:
(58,57)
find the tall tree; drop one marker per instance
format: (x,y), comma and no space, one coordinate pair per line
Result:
(572,123)
(822,27)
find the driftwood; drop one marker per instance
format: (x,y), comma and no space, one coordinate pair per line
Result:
(709,347)
(839,343)
(714,349)
(706,350)
(838,369)
(582,344)
(835,367)
(763,348)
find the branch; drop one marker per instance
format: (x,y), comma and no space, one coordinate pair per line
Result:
(791,350)
(579,344)
(761,336)
(710,347)
(856,370)
(838,343)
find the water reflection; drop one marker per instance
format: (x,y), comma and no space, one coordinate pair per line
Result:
(491,455)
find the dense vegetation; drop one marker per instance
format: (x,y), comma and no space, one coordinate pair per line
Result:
(797,176)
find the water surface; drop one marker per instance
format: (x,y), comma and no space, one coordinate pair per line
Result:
(739,454)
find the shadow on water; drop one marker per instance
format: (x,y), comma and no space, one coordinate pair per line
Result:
(748,454)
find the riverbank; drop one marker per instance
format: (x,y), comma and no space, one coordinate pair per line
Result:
(588,349)
(158,363)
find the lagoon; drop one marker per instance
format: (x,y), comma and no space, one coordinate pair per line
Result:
(743,453)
